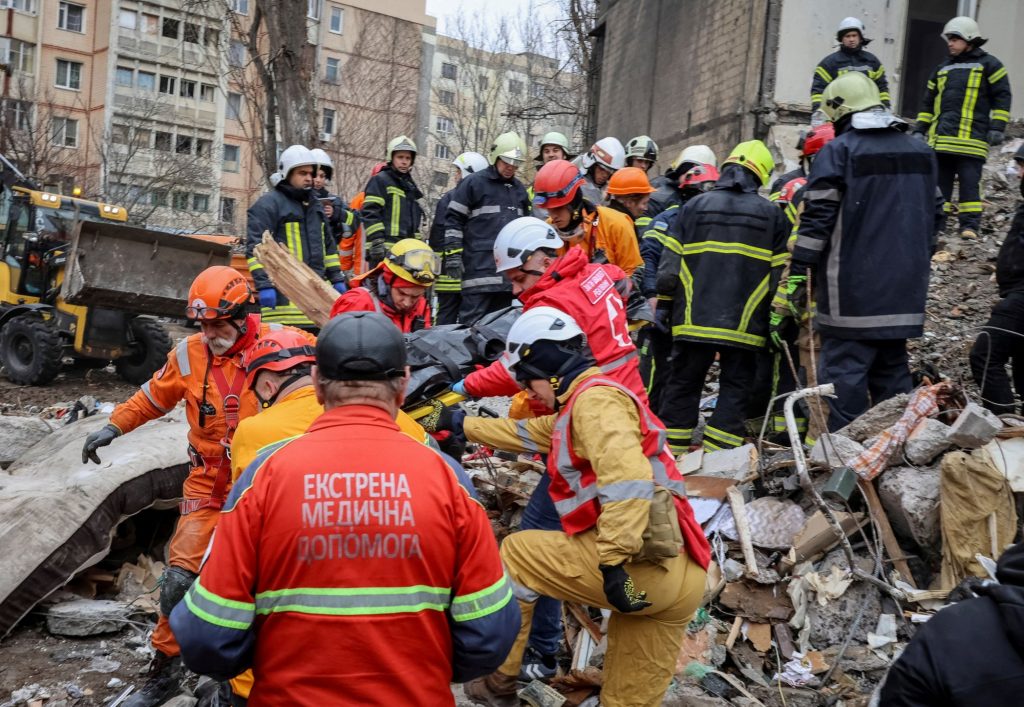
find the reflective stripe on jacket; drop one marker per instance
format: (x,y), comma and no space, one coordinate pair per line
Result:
(391,209)
(840,62)
(611,232)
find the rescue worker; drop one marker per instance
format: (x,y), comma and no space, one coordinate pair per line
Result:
(396,288)
(965,109)
(205,370)
(416,558)
(598,164)
(610,472)
(641,152)
(810,144)
(341,220)
(718,280)
(655,341)
(605,235)
(296,219)
(628,193)
(391,209)
(1002,338)
(553,146)
(851,56)
(449,290)
(351,248)
(866,236)
(667,187)
(483,203)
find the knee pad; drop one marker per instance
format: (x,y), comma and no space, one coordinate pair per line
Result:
(174,582)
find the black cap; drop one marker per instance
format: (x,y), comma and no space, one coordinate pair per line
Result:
(360,346)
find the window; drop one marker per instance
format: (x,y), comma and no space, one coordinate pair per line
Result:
(167,84)
(119,134)
(448,71)
(22,55)
(201,203)
(128,19)
(71,17)
(125,77)
(236,53)
(337,19)
(515,87)
(442,152)
(192,33)
(537,90)
(64,132)
(232,158)
(142,138)
(227,210)
(17,115)
(150,23)
(162,141)
(207,92)
(444,125)
(211,37)
(479,136)
(240,6)
(69,74)
(159,197)
(180,200)
(440,179)
(183,145)
(328,121)
(203,147)
(481,108)
(333,71)
(188,89)
(484,82)
(22,5)
(145,81)
(313,9)
(233,109)
(170,28)
(446,98)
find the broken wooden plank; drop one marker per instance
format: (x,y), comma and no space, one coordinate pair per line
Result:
(313,295)
(892,547)
(588,624)
(739,514)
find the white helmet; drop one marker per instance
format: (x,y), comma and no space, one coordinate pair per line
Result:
(276,178)
(520,238)
(469,162)
(963,27)
(292,157)
(848,25)
(538,324)
(695,155)
(607,152)
(323,160)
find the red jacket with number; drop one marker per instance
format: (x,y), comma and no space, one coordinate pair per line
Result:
(586,292)
(350,567)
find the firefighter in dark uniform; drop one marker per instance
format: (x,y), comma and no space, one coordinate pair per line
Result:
(851,56)
(391,209)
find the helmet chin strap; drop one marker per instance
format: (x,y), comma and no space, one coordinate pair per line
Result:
(268,402)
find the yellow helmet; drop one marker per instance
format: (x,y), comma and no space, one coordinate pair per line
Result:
(413,261)
(753,155)
(851,92)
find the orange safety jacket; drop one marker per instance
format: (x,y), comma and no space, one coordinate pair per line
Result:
(574,486)
(610,231)
(350,248)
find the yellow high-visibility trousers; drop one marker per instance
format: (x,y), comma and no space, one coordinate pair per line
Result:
(642,646)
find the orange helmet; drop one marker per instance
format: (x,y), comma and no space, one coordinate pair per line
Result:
(789,190)
(556,184)
(629,180)
(219,292)
(277,351)
(701,177)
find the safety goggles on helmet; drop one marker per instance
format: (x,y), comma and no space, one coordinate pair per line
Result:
(201,311)
(542,197)
(422,265)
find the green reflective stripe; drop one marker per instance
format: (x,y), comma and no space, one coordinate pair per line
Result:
(997,74)
(970,100)
(884,95)
(486,601)
(362,601)
(1000,114)
(816,98)
(875,74)
(379,200)
(722,436)
(396,208)
(779,259)
(707,332)
(218,610)
(373,228)
(687,279)
(825,75)
(727,249)
(970,207)
(332,260)
(254,264)
(925,117)
(753,302)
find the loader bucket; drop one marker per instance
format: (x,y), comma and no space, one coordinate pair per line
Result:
(135,269)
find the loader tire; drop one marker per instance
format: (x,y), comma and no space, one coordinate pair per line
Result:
(30,349)
(149,351)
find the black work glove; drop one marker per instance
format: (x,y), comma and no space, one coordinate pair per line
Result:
(376,252)
(995,137)
(620,590)
(100,438)
(453,265)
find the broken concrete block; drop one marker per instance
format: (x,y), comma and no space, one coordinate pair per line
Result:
(737,463)
(876,420)
(17,434)
(684,694)
(974,427)
(830,623)
(910,498)
(926,441)
(86,617)
(835,450)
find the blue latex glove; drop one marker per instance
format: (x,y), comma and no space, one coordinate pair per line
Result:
(460,388)
(341,287)
(268,298)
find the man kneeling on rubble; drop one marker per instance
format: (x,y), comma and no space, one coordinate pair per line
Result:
(623,508)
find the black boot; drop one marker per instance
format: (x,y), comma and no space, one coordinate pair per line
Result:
(162,682)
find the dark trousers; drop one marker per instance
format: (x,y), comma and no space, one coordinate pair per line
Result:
(447,311)
(655,348)
(864,373)
(476,305)
(680,405)
(967,172)
(994,349)
(540,514)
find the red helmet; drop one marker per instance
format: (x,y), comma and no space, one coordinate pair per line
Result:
(556,184)
(817,138)
(789,190)
(219,292)
(277,351)
(701,177)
